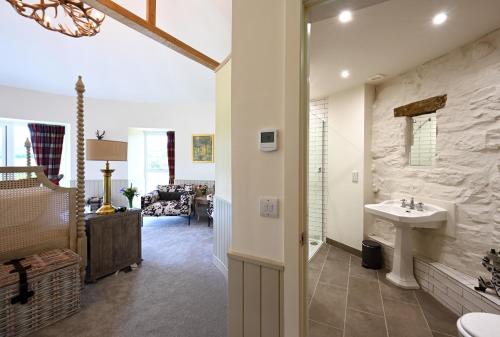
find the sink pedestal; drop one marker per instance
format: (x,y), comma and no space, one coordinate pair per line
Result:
(402,262)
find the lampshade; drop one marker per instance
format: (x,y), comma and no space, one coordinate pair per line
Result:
(106,150)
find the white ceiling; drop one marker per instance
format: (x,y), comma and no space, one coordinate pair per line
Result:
(119,63)
(393,37)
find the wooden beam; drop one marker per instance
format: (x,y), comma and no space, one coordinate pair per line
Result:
(137,23)
(151,12)
(223,63)
(422,107)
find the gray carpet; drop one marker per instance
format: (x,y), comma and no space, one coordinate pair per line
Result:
(177,292)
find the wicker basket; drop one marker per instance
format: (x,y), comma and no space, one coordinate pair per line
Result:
(54,278)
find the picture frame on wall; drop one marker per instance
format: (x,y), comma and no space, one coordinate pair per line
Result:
(203,148)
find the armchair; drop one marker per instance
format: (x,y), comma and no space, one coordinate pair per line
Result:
(167,200)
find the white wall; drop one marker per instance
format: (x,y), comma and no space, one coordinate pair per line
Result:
(223,132)
(467,165)
(348,137)
(116,117)
(222,201)
(257,103)
(266,93)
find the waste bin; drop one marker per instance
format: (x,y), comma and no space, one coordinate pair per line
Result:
(371,254)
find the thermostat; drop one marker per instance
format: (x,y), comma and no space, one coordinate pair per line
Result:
(268,140)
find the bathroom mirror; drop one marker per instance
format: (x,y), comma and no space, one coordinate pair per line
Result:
(423,132)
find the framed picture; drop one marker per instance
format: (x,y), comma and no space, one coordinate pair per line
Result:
(203,148)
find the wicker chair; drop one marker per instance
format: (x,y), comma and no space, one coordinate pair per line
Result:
(168,200)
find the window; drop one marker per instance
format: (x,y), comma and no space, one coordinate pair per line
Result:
(423,140)
(13,135)
(3,145)
(156,163)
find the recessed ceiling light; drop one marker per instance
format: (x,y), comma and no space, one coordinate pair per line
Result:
(345,73)
(376,77)
(345,16)
(439,18)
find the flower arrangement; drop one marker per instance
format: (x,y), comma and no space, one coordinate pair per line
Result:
(201,190)
(130,193)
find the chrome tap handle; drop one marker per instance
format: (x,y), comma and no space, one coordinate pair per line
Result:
(420,206)
(412,203)
(403,203)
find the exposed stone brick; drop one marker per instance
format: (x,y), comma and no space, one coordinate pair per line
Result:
(467,165)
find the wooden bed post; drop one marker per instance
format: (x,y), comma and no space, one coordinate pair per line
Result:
(80,166)
(27,145)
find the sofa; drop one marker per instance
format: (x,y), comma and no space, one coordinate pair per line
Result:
(168,200)
(210,209)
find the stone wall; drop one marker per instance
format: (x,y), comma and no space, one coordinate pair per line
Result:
(466,169)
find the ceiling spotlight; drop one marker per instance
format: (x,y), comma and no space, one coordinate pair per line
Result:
(376,77)
(439,18)
(345,16)
(345,73)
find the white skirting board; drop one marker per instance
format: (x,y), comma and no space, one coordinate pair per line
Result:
(218,263)
(222,232)
(452,288)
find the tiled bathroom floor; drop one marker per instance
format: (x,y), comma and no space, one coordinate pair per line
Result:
(347,300)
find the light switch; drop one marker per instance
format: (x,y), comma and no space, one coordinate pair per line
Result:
(269,207)
(355,176)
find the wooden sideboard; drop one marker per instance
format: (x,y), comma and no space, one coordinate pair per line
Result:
(113,242)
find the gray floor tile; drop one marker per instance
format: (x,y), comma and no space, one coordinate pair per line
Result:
(317,329)
(392,292)
(335,272)
(405,320)
(364,295)
(312,280)
(338,254)
(439,317)
(328,305)
(319,258)
(361,324)
(439,334)
(357,269)
(404,314)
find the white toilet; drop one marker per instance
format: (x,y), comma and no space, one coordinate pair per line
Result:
(479,324)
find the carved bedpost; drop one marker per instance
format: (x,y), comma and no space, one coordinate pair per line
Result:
(80,185)
(27,145)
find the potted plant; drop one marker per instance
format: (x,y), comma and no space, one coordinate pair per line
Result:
(201,190)
(130,193)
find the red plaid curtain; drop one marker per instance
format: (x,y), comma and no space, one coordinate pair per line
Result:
(47,141)
(171,156)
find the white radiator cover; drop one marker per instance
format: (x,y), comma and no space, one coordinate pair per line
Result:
(222,233)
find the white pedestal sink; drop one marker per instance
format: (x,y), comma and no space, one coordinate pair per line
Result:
(404,219)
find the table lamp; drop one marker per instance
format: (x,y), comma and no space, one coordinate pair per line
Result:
(106,150)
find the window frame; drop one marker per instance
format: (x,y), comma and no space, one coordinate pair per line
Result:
(147,169)
(411,139)
(9,124)
(3,147)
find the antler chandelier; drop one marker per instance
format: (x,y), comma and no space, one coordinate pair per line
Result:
(70,17)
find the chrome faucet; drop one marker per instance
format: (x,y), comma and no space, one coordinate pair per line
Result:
(412,203)
(403,203)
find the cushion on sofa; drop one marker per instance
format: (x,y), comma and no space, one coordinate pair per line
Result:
(169,196)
